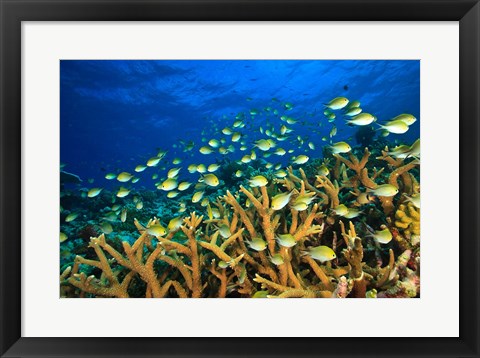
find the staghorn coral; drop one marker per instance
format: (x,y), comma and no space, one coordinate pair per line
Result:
(399,177)
(196,260)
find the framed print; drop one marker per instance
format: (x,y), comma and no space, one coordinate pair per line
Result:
(245,174)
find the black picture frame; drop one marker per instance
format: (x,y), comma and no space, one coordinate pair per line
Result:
(13,12)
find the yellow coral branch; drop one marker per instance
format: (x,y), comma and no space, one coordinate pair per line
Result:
(319,272)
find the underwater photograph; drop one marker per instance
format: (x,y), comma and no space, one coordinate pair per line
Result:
(239,179)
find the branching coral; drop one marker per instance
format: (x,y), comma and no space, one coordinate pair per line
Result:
(354,256)
(358,166)
(215,257)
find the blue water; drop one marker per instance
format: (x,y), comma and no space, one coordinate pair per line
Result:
(117,114)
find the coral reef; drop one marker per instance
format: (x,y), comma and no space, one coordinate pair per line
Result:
(216,257)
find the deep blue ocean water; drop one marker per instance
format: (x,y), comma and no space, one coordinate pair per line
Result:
(118,114)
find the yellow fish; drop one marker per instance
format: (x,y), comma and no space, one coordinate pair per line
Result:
(300,206)
(201,168)
(172,194)
(340,147)
(111,216)
(301,159)
(140,168)
(124,177)
(382,236)
(354,104)
(211,180)
(353,111)
(363,119)
(123,215)
(400,151)
(175,223)
(259,294)
(172,173)
(352,213)
(257,244)
(236,137)
(337,103)
(414,150)
(396,127)
(110,176)
(222,264)
(263,144)
(156,230)
(152,162)
(333,132)
(286,240)
(71,217)
(184,185)
(276,259)
(63,237)
(279,201)
(341,210)
(224,231)
(214,143)
(116,207)
(227,131)
(246,159)
(123,192)
(323,170)
(197,196)
(94,192)
(106,228)
(213,167)
(258,180)
(280,174)
(306,198)
(215,213)
(321,253)
(206,150)
(385,190)
(408,119)
(169,184)
(415,199)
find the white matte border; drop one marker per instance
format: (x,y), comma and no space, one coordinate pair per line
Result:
(436,44)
